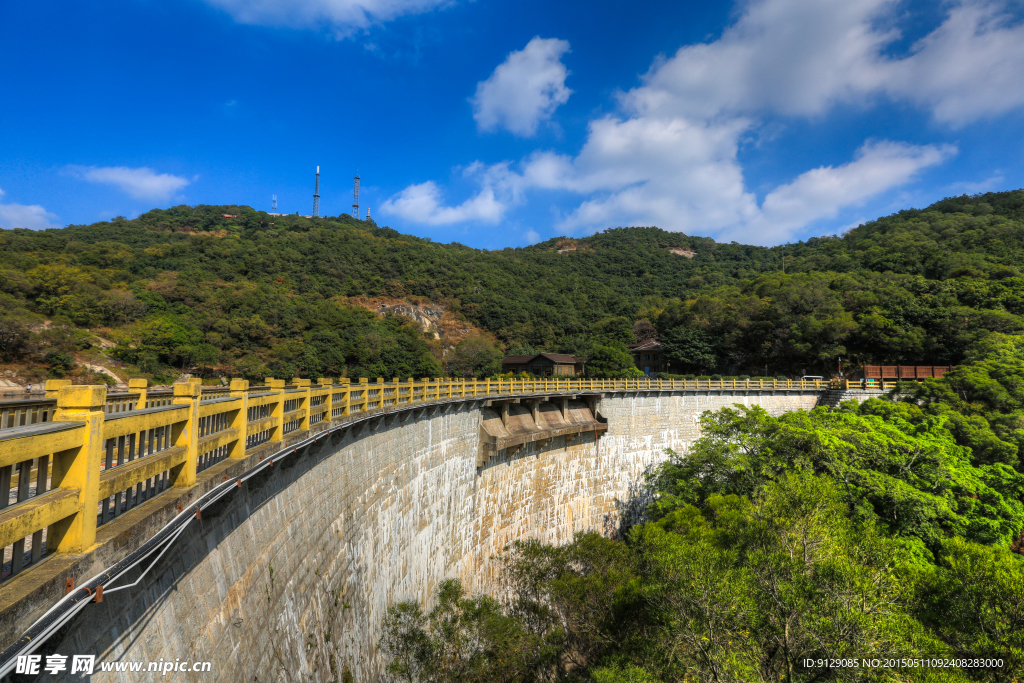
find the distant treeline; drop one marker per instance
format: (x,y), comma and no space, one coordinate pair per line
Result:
(257,294)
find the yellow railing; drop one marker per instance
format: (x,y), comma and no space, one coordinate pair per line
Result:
(79,458)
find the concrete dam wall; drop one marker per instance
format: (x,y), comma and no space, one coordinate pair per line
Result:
(291,577)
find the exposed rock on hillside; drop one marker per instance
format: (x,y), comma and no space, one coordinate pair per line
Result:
(435,319)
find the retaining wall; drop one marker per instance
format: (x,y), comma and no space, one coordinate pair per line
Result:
(290,577)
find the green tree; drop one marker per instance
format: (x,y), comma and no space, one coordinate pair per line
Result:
(611,362)
(614,331)
(974,599)
(474,356)
(61,364)
(15,335)
(689,349)
(913,479)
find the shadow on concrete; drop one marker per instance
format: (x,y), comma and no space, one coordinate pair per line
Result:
(633,509)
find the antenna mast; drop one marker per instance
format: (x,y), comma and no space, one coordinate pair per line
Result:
(355,201)
(273,209)
(316,195)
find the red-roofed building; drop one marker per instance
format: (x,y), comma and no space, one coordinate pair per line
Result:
(544,365)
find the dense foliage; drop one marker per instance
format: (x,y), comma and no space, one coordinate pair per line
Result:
(889,528)
(249,293)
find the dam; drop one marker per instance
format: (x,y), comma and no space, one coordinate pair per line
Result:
(312,508)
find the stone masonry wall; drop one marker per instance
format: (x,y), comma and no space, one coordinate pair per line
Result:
(290,578)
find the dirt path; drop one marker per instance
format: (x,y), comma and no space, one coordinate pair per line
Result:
(102,370)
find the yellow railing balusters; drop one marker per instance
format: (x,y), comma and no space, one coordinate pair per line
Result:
(79,468)
(239,418)
(186,434)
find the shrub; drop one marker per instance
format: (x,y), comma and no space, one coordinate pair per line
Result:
(61,364)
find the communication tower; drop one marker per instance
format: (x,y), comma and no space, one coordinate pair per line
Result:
(316,195)
(355,200)
(273,209)
(367,213)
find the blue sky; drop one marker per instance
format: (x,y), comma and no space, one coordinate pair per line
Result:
(500,123)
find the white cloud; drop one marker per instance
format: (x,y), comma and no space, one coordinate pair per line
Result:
(422,204)
(674,173)
(141,183)
(789,56)
(970,67)
(687,178)
(821,192)
(800,57)
(532,236)
(343,17)
(966,187)
(31,216)
(524,90)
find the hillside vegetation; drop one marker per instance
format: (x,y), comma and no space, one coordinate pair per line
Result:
(256,294)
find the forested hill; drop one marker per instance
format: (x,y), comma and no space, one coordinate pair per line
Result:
(238,290)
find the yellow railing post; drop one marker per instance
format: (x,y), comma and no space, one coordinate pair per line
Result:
(79,468)
(139,386)
(186,434)
(53,387)
(239,388)
(276,386)
(329,399)
(346,384)
(306,400)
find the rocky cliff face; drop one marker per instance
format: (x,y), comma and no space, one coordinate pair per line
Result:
(427,315)
(437,320)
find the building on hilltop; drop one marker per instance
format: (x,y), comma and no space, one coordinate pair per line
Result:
(544,365)
(649,356)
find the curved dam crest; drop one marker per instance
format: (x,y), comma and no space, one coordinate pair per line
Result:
(292,576)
